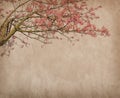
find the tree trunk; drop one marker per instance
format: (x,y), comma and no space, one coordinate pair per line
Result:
(5,37)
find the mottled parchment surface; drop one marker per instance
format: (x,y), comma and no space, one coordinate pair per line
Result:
(90,69)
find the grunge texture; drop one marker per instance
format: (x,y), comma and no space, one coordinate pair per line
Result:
(89,69)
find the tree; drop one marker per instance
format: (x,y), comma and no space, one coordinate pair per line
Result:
(44,20)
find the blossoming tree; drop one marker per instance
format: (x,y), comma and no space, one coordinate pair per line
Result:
(45,20)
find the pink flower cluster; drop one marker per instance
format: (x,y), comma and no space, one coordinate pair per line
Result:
(76,16)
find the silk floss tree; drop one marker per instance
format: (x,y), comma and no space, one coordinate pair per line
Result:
(45,20)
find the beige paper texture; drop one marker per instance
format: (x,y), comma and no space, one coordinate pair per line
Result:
(90,69)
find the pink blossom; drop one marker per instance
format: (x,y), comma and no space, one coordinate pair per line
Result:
(29,9)
(104,31)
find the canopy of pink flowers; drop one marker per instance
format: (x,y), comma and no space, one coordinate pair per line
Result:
(67,16)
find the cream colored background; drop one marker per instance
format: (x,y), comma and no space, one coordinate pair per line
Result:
(90,69)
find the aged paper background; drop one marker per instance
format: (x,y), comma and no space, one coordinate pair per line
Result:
(90,69)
